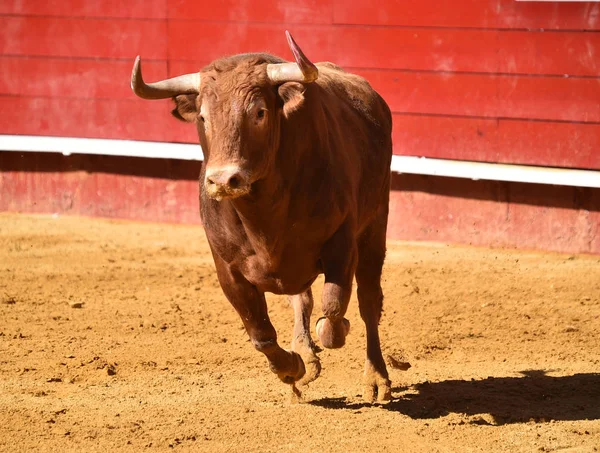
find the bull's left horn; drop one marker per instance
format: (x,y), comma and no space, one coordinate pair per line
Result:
(303,70)
(183,84)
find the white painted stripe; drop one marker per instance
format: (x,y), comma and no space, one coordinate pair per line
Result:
(71,145)
(400,164)
(495,172)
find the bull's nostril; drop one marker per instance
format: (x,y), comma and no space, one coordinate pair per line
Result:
(227,181)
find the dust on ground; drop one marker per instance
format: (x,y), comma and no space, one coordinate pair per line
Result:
(116,336)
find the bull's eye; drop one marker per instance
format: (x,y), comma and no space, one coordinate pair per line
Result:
(260,114)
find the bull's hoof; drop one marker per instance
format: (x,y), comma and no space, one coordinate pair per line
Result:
(377,386)
(312,365)
(293,371)
(307,350)
(313,370)
(332,334)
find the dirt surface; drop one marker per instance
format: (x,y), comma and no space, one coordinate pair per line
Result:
(116,336)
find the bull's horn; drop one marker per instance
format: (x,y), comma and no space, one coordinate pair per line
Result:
(301,71)
(183,84)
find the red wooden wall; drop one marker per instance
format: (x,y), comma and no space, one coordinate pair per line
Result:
(488,80)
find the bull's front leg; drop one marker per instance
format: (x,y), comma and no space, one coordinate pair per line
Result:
(251,305)
(339,257)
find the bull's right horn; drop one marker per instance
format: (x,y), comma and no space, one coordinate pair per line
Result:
(303,70)
(183,84)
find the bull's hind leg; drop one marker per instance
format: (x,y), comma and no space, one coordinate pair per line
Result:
(339,258)
(371,254)
(302,342)
(251,305)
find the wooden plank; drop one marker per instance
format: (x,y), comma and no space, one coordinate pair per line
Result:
(52,77)
(135,119)
(563,53)
(178,67)
(445,50)
(279,11)
(150,9)
(471,13)
(504,141)
(553,144)
(83,38)
(466,13)
(549,98)
(555,216)
(158,190)
(494,214)
(469,50)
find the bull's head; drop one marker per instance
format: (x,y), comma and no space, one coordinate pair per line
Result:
(237,104)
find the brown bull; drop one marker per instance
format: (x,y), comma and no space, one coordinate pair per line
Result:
(295,183)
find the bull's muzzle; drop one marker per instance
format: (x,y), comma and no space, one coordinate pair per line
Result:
(226,182)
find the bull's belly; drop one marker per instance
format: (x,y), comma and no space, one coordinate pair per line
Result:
(289,278)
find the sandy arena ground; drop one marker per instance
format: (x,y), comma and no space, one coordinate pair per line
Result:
(115,336)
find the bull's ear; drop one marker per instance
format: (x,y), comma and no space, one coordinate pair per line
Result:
(185,107)
(292,95)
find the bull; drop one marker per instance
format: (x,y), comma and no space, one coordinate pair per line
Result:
(295,184)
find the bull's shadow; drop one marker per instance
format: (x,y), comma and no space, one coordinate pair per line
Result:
(535,396)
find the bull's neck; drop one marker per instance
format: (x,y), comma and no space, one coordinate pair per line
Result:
(295,182)
(265,207)
(290,187)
